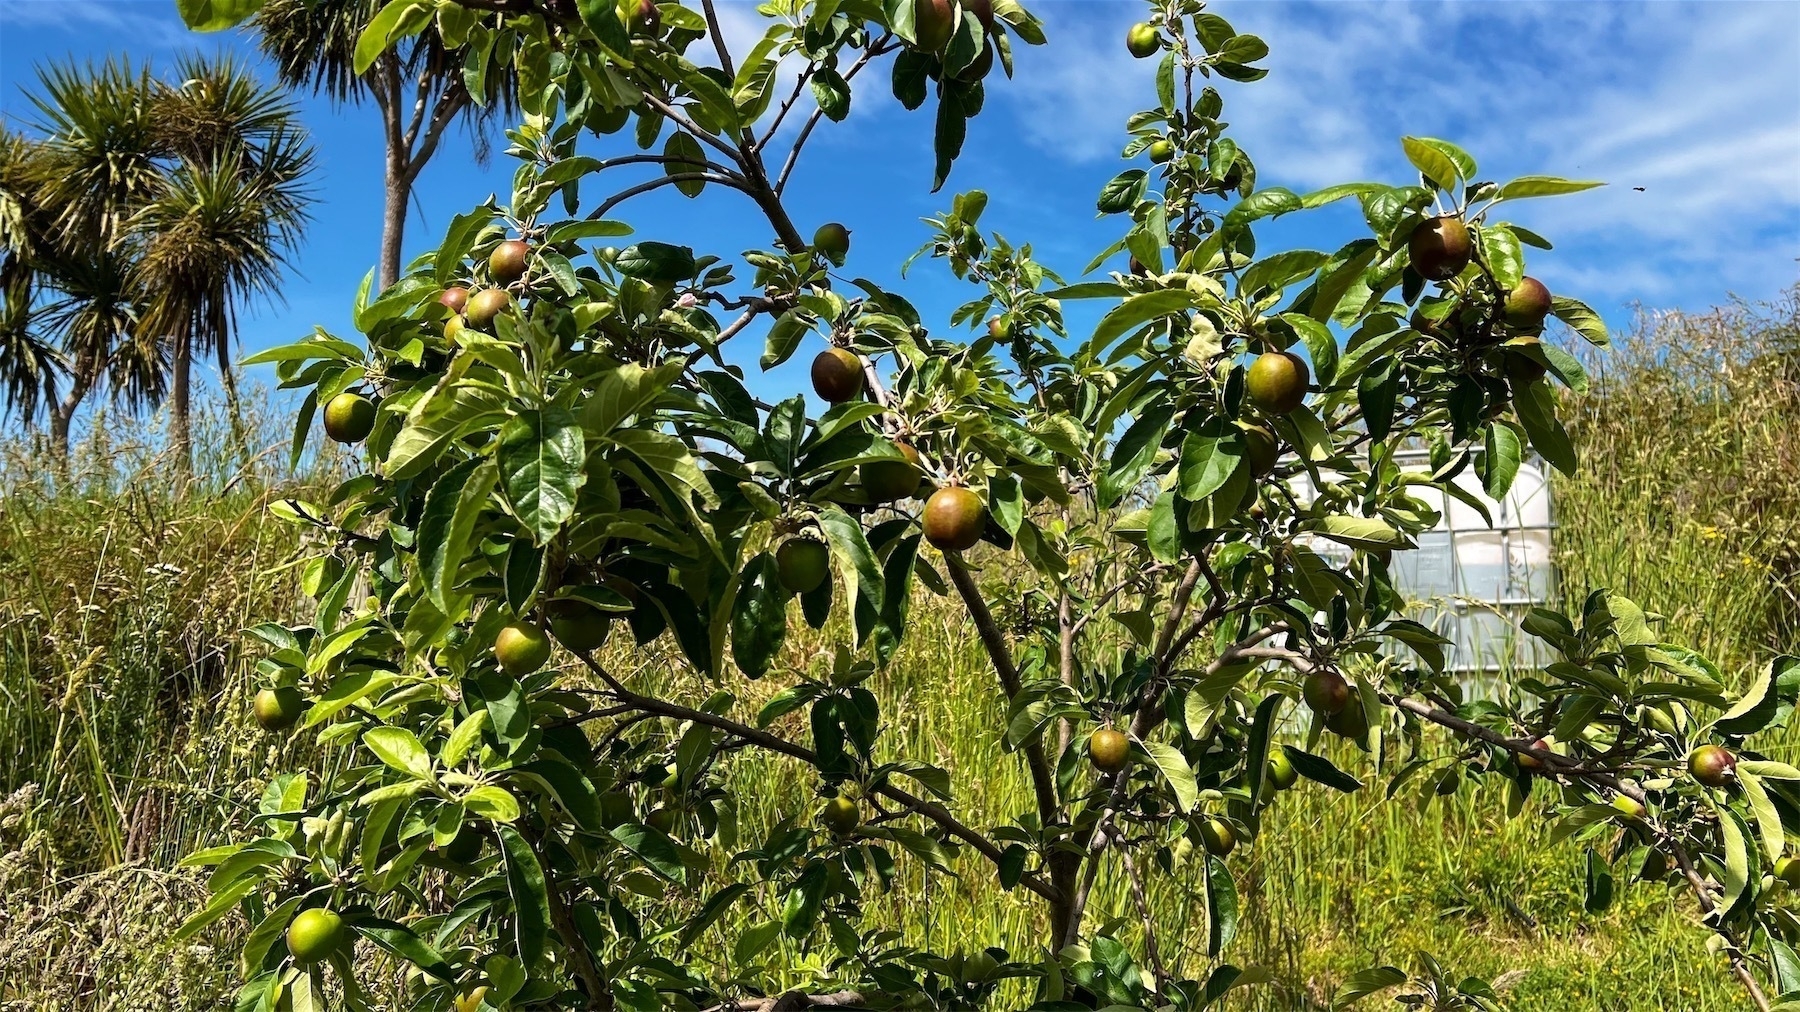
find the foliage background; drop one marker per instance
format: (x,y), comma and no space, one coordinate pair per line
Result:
(124,740)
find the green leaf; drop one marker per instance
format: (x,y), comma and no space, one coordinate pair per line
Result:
(758,617)
(668,457)
(1274,273)
(626,391)
(947,142)
(1768,817)
(1320,770)
(1139,310)
(531,901)
(1361,532)
(1273,201)
(1544,186)
(394,21)
(1134,454)
(850,551)
(453,504)
(216,15)
(1753,711)
(433,424)
(1430,160)
(1501,251)
(1366,982)
(400,749)
(1321,345)
(1209,457)
(1256,755)
(687,160)
(1319,198)
(217,907)
(602,18)
(784,337)
(1535,405)
(1737,855)
(458,240)
(1221,907)
(1500,463)
(1598,892)
(658,851)
(832,92)
(401,941)
(540,458)
(493,803)
(1175,769)
(1123,191)
(1581,319)
(656,262)
(912,77)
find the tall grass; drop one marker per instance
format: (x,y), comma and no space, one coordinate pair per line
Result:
(123,683)
(124,584)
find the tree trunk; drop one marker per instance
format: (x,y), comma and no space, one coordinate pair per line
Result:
(62,416)
(240,438)
(181,433)
(396,194)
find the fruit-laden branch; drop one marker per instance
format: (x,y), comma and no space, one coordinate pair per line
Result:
(1149,714)
(1561,765)
(1555,764)
(773,743)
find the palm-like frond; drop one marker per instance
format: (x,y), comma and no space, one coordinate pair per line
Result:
(313,45)
(103,146)
(94,308)
(30,366)
(215,235)
(218,107)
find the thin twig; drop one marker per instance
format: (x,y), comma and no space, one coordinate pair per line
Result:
(773,743)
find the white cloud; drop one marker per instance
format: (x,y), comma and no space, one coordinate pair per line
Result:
(1697,104)
(151,23)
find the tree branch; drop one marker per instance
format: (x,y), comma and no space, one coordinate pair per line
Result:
(1043,778)
(718,36)
(1560,765)
(655,184)
(681,119)
(772,743)
(793,158)
(805,75)
(449,105)
(792,1000)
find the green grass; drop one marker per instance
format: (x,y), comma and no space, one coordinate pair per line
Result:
(123,742)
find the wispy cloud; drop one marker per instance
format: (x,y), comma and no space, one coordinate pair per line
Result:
(150,22)
(1698,104)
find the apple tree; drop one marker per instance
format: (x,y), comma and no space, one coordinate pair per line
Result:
(564,470)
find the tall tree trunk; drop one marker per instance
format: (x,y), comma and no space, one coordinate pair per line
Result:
(396,194)
(62,416)
(240,437)
(181,432)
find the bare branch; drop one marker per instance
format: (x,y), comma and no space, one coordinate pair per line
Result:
(800,80)
(449,105)
(655,184)
(706,137)
(718,36)
(879,48)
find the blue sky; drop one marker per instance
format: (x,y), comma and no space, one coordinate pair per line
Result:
(1699,104)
